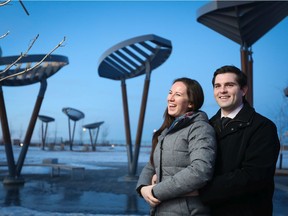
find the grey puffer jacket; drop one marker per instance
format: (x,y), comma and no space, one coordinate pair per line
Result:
(183,162)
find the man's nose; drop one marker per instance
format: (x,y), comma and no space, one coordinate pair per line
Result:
(223,88)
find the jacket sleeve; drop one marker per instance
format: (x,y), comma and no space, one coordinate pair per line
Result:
(202,152)
(145,177)
(256,171)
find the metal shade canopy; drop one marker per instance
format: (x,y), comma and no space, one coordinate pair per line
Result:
(286,92)
(93,125)
(73,114)
(244,22)
(128,58)
(46,119)
(47,68)
(26,70)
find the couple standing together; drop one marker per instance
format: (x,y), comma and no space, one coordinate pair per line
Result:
(206,167)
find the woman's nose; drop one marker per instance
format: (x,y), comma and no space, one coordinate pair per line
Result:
(170,97)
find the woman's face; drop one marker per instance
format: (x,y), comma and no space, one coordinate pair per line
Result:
(178,103)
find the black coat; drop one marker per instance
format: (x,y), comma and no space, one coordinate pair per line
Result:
(243,182)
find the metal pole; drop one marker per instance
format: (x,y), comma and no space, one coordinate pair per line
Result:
(91,139)
(141,118)
(31,127)
(96,137)
(73,133)
(127,126)
(45,134)
(250,76)
(246,67)
(6,136)
(69,130)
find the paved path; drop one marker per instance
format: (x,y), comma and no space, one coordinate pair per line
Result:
(102,192)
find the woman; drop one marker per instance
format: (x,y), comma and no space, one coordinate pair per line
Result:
(182,156)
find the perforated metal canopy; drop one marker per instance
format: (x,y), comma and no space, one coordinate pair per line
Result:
(46,118)
(51,65)
(128,58)
(93,125)
(73,114)
(244,22)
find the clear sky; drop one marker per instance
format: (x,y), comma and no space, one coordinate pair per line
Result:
(92,27)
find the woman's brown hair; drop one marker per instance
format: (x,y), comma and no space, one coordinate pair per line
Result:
(195,96)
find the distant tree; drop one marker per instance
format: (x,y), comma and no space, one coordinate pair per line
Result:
(104,134)
(282,127)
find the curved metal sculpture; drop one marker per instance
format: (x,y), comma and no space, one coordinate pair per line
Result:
(91,127)
(74,115)
(244,22)
(132,57)
(45,120)
(47,68)
(128,59)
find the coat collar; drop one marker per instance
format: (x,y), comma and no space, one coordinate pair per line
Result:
(243,118)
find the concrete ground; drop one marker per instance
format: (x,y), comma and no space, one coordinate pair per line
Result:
(101,192)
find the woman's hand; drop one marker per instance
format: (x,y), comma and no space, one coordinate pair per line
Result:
(146,192)
(154,179)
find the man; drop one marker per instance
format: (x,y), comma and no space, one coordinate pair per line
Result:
(248,147)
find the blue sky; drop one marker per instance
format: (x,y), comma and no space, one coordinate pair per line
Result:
(92,27)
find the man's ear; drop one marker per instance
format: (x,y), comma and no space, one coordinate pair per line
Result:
(244,89)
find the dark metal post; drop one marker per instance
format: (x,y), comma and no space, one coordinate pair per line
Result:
(44,133)
(141,118)
(246,67)
(250,76)
(96,137)
(6,136)
(69,130)
(91,140)
(73,133)
(31,127)
(127,126)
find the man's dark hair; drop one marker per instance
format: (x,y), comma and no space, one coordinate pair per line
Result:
(241,77)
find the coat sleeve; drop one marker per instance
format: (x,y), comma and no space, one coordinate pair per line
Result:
(145,177)
(256,171)
(202,153)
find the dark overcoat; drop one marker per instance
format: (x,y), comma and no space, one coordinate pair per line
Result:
(243,182)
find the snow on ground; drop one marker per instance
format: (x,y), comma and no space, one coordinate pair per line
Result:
(20,211)
(77,157)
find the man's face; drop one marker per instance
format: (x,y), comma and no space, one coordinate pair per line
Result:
(227,92)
